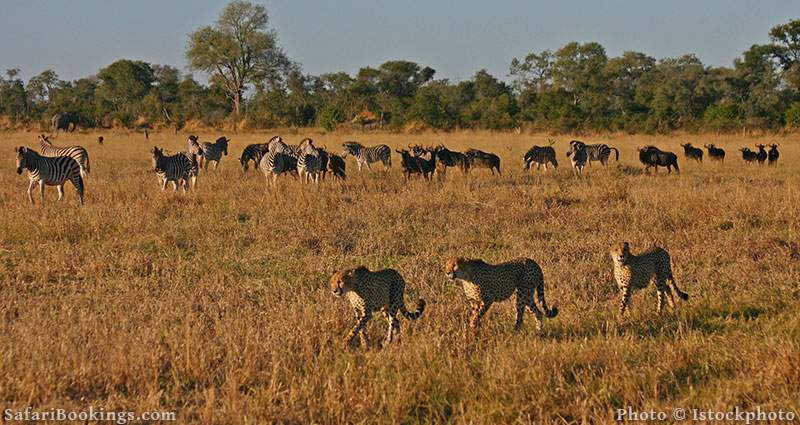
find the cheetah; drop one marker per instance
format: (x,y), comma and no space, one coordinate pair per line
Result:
(634,272)
(369,292)
(485,284)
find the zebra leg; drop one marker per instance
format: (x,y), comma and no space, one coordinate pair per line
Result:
(31,185)
(175,186)
(79,187)
(163,184)
(216,164)
(60,192)
(41,190)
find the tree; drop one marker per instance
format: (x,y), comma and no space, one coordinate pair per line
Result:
(123,86)
(239,51)
(535,72)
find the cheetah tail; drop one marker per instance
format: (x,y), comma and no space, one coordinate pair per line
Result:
(683,295)
(415,315)
(549,312)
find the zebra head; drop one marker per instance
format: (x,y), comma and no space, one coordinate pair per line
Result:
(157,154)
(22,156)
(273,142)
(223,143)
(351,148)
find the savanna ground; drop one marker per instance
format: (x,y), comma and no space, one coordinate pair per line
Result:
(216,304)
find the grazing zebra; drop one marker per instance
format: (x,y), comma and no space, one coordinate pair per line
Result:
(179,169)
(368,155)
(212,152)
(78,153)
(253,153)
(599,152)
(51,171)
(274,163)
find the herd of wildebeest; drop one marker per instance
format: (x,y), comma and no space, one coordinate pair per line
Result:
(54,165)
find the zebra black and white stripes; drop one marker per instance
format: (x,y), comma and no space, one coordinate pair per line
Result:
(50,171)
(78,153)
(274,163)
(212,152)
(310,162)
(368,155)
(598,152)
(180,169)
(253,153)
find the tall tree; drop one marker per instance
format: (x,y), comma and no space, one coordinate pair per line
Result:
(238,51)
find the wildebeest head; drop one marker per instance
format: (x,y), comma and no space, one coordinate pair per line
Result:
(223,143)
(22,156)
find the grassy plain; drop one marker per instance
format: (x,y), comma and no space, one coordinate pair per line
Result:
(215,304)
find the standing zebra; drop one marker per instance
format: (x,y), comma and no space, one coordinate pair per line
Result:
(78,153)
(579,154)
(51,171)
(253,153)
(309,162)
(364,155)
(274,163)
(599,152)
(213,152)
(179,169)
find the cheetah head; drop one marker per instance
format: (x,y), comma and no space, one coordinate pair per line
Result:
(620,253)
(454,269)
(343,281)
(339,282)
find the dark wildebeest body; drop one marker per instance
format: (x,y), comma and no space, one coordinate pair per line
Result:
(715,153)
(447,158)
(691,152)
(761,155)
(481,159)
(773,154)
(651,156)
(336,166)
(414,164)
(66,122)
(749,156)
(541,155)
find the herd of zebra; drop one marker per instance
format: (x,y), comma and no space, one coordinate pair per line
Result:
(54,165)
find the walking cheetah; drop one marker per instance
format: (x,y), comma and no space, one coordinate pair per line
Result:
(634,272)
(485,284)
(369,292)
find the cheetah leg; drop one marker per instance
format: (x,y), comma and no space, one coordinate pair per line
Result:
(662,298)
(478,311)
(358,329)
(521,303)
(394,327)
(535,310)
(626,300)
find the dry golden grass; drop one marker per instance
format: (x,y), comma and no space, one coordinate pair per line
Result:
(215,304)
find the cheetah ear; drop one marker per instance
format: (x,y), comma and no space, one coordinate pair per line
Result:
(625,246)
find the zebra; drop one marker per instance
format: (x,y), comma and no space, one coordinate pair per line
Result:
(579,154)
(309,162)
(368,155)
(276,144)
(179,169)
(212,152)
(253,153)
(274,163)
(598,152)
(51,171)
(78,153)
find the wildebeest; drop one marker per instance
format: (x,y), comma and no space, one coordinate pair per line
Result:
(100,140)
(652,156)
(761,155)
(336,166)
(691,152)
(773,154)
(748,156)
(541,155)
(715,153)
(413,164)
(481,159)
(447,158)
(66,121)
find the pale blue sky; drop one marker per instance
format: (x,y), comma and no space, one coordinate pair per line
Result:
(77,37)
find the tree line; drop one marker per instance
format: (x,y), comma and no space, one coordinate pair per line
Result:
(252,83)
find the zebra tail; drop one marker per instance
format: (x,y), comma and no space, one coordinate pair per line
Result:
(415,315)
(549,312)
(617,152)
